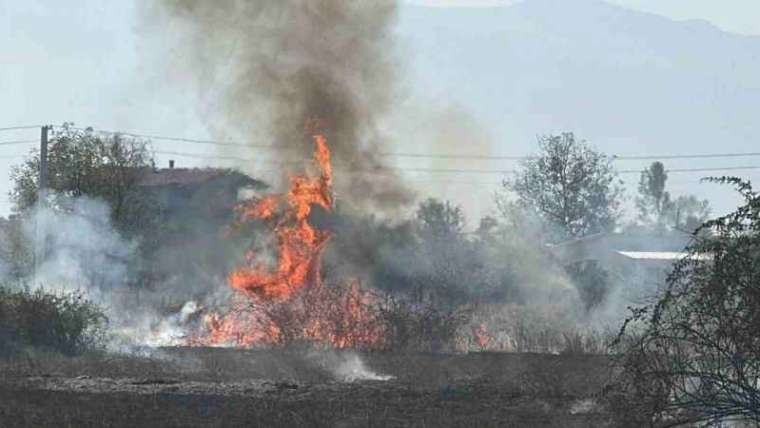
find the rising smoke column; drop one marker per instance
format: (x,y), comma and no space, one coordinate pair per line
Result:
(270,65)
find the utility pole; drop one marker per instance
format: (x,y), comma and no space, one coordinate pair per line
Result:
(39,247)
(43,161)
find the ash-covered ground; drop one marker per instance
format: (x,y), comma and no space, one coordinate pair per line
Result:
(214,387)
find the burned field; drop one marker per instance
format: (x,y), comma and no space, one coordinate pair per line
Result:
(301,273)
(229,387)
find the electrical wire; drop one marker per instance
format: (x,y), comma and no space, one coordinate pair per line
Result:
(14,128)
(12,143)
(427,155)
(449,170)
(409,155)
(176,139)
(694,156)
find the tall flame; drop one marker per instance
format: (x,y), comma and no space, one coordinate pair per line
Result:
(286,302)
(299,244)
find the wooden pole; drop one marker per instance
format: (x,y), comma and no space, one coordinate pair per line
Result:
(39,247)
(43,160)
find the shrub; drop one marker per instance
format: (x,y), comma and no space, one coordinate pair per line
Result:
(336,315)
(695,352)
(422,326)
(60,321)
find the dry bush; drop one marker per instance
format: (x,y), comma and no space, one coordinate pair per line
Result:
(337,315)
(348,316)
(422,326)
(695,351)
(547,328)
(579,342)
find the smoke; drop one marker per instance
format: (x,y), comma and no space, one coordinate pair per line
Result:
(344,366)
(77,248)
(270,66)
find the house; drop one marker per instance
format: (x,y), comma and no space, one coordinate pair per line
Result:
(640,259)
(209,194)
(191,246)
(620,249)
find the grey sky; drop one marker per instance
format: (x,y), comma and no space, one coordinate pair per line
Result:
(738,16)
(92,64)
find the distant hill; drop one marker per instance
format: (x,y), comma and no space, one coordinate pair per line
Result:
(629,81)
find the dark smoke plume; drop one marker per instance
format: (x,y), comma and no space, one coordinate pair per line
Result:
(278,63)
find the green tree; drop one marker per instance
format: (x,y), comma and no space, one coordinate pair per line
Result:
(694,353)
(440,219)
(657,208)
(446,264)
(570,186)
(574,191)
(653,201)
(83,162)
(687,213)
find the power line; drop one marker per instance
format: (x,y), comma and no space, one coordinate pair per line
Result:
(695,156)
(427,155)
(453,156)
(401,154)
(11,143)
(226,157)
(449,170)
(14,128)
(614,157)
(625,171)
(178,139)
(715,169)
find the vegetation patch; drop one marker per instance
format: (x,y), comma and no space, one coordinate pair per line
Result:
(59,321)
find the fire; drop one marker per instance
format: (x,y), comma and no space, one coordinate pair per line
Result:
(299,244)
(287,302)
(481,336)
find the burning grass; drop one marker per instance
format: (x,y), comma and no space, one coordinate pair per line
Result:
(288,302)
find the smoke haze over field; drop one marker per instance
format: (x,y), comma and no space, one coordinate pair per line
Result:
(285,62)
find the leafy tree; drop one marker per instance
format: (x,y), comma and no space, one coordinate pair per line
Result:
(571,187)
(440,219)
(694,354)
(687,213)
(448,269)
(656,208)
(82,162)
(653,201)
(574,191)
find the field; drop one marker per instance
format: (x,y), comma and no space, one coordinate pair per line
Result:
(213,387)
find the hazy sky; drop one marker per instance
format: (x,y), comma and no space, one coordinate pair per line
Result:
(738,16)
(92,64)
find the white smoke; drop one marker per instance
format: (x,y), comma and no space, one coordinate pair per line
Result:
(351,368)
(345,366)
(77,249)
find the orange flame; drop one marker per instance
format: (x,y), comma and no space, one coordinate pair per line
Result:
(288,302)
(482,338)
(299,243)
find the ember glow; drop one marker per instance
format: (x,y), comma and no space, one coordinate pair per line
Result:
(287,302)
